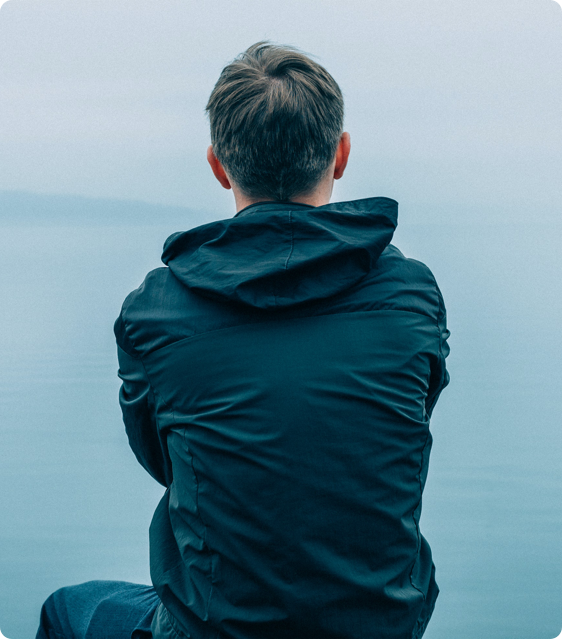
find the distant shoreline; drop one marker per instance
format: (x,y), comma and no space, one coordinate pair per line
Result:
(25,207)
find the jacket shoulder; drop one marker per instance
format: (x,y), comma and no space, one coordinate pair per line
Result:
(150,288)
(392,257)
(145,307)
(406,284)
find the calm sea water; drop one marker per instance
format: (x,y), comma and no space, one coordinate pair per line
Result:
(75,505)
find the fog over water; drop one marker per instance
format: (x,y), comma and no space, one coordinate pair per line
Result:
(454,111)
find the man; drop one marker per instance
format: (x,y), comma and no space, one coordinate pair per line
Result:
(278,374)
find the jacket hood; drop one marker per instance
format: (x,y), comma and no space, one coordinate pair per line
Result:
(275,254)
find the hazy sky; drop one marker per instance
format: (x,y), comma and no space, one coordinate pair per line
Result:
(454,107)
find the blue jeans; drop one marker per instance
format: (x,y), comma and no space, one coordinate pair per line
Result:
(99,610)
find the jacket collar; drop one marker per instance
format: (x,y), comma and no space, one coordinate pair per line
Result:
(258,207)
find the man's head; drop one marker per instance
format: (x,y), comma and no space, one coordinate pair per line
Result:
(276,125)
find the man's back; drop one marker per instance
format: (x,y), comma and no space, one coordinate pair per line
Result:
(289,360)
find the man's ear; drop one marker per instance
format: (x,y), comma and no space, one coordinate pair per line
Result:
(217,168)
(342,155)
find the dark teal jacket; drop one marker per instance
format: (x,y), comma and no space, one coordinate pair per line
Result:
(278,378)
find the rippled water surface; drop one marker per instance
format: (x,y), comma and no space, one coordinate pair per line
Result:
(75,505)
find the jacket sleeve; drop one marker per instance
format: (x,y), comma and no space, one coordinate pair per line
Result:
(136,398)
(439,377)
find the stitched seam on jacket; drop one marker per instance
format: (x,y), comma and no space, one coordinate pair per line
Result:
(421,624)
(154,392)
(209,553)
(157,394)
(440,316)
(273,321)
(440,313)
(127,338)
(173,624)
(416,523)
(150,384)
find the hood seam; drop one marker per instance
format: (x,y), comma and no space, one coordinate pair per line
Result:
(292,240)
